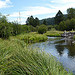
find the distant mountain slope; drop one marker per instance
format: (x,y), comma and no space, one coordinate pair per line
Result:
(51,21)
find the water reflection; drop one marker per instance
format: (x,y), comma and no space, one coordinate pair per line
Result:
(61,48)
(65,44)
(71,51)
(68,41)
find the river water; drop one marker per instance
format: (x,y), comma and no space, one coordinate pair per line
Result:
(62,49)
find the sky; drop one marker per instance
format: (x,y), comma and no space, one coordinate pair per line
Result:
(19,10)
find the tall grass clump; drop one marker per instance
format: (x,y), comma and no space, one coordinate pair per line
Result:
(17,59)
(54,33)
(32,37)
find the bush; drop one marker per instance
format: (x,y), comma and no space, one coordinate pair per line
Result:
(42,29)
(32,37)
(5,30)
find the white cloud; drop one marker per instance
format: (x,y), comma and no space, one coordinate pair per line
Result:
(35,11)
(4,4)
(63,5)
(62,1)
(48,9)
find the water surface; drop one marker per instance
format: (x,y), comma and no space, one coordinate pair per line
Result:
(62,49)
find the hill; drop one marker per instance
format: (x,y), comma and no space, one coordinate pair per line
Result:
(51,21)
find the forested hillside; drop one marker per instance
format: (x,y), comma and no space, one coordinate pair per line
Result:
(51,21)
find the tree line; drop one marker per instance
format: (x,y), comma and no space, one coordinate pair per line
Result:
(13,28)
(65,23)
(61,22)
(8,29)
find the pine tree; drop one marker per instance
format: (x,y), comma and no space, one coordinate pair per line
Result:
(59,17)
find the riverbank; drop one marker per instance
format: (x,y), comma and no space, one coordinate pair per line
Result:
(54,33)
(32,37)
(17,59)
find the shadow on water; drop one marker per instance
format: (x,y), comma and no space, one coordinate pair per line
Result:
(60,49)
(65,44)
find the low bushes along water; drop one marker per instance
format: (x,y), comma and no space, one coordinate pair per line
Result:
(32,37)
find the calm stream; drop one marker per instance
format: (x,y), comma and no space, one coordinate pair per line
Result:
(62,49)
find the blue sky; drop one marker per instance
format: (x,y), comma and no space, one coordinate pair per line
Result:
(37,8)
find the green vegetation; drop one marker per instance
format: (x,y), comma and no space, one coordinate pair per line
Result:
(71,13)
(54,33)
(74,37)
(17,59)
(59,17)
(42,29)
(32,37)
(5,29)
(15,56)
(32,21)
(67,25)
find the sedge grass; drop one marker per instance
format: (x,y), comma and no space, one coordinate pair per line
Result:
(32,37)
(54,33)
(17,59)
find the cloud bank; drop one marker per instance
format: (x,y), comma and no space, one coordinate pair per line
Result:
(47,9)
(5,4)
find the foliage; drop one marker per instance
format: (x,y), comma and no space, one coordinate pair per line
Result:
(49,21)
(32,37)
(59,17)
(44,22)
(53,33)
(32,21)
(5,29)
(31,28)
(17,29)
(67,25)
(42,29)
(62,26)
(17,59)
(36,21)
(50,27)
(74,37)
(25,29)
(71,13)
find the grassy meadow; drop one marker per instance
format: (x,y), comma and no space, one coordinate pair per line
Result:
(17,59)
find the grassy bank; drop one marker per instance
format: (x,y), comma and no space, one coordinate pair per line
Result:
(17,59)
(54,33)
(32,37)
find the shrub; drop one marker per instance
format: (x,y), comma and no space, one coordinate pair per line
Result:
(5,30)
(42,29)
(32,37)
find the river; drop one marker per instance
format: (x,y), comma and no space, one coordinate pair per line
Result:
(62,49)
